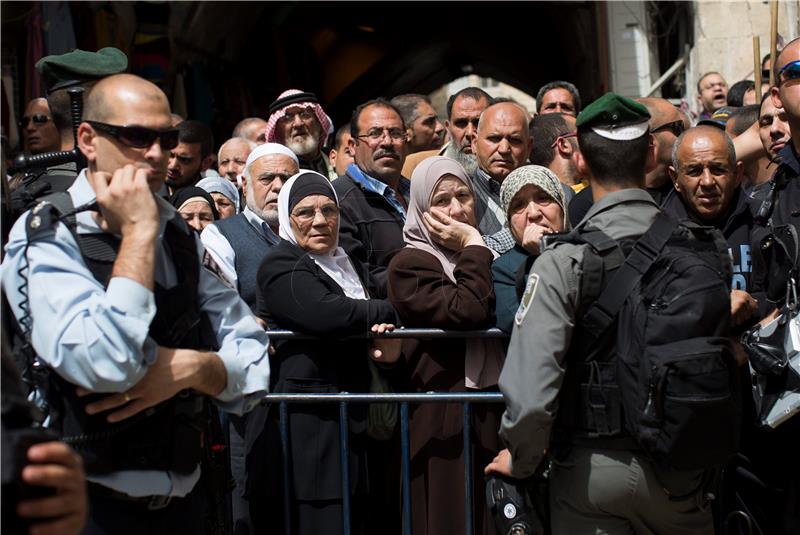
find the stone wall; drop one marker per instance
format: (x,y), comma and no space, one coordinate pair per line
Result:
(724,33)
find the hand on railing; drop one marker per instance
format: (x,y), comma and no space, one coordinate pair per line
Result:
(385,350)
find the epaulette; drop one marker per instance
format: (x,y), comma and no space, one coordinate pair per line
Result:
(41,220)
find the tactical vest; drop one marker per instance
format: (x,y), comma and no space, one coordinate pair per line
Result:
(170,435)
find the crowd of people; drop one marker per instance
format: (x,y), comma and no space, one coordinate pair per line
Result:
(142,277)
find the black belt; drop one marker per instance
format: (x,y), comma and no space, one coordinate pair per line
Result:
(152,503)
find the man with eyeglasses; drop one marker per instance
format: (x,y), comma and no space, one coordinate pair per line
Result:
(133,334)
(373,194)
(39,133)
(297,121)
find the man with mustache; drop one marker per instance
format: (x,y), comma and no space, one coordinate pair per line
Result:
(464,108)
(298,121)
(238,244)
(707,181)
(373,194)
(502,144)
(712,93)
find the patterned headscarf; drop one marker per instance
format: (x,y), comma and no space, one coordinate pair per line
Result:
(295,97)
(539,176)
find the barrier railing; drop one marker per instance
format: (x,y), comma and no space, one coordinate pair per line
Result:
(344,399)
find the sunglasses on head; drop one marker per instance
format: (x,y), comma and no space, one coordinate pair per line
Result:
(37,119)
(139,137)
(676,127)
(790,71)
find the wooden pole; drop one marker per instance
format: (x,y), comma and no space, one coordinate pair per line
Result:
(773,40)
(757,66)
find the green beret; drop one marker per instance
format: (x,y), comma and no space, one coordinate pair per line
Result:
(78,66)
(615,117)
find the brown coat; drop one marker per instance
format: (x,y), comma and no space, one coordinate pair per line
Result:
(424,297)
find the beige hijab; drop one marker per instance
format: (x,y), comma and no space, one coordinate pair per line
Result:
(484,357)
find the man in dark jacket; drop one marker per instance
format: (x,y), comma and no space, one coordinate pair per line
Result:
(373,194)
(707,180)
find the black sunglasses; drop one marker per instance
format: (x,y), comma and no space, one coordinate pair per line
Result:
(676,127)
(139,137)
(37,119)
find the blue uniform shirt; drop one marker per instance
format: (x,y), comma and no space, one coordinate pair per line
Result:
(97,337)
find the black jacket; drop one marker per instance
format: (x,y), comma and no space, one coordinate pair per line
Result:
(370,230)
(295,294)
(737,228)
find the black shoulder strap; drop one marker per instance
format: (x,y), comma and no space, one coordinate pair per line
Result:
(603,311)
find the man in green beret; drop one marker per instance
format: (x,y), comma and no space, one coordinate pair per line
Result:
(59,73)
(592,489)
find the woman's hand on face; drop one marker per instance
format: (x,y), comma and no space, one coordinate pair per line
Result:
(532,237)
(385,350)
(449,233)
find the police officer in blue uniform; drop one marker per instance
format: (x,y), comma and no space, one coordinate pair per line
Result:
(135,334)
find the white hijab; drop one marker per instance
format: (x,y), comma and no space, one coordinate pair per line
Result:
(336,263)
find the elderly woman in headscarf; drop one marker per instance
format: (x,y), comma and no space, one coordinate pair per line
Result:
(533,201)
(195,206)
(443,279)
(307,283)
(224,193)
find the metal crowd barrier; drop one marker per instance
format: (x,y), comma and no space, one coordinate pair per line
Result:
(344,399)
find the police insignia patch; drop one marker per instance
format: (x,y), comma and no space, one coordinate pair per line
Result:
(527,298)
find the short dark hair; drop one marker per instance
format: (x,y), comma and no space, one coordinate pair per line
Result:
(408,104)
(196,132)
(743,118)
(337,139)
(614,162)
(737,91)
(382,102)
(544,130)
(559,84)
(473,93)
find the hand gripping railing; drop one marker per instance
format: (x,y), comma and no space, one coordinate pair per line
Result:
(344,398)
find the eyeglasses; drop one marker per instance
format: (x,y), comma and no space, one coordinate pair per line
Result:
(37,119)
(790,71)
(563,136)
(375,135)
(676,127)
(139,137)
(306,114)
(307,215)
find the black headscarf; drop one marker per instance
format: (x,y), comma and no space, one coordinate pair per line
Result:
(184,194)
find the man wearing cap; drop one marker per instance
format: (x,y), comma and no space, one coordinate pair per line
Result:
(134,334)
(297,121)
(592,490)
(238,244)
(60,73)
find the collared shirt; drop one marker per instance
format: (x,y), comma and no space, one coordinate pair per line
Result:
(488,210)
(535,363)
(376,186)
(97,337)
(220,250)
